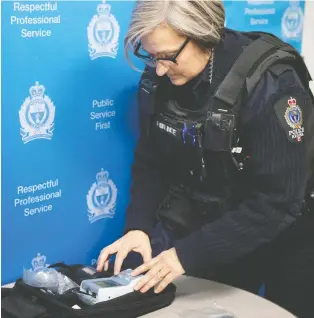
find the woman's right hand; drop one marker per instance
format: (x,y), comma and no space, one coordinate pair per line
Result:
(136,241)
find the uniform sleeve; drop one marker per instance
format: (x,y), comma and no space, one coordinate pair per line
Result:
(277,174)
(148,186)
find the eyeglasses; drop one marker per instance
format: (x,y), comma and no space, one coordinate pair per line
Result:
(152,61)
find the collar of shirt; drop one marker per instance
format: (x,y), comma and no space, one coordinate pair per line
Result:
(203,77)
(190,95)
(194,86)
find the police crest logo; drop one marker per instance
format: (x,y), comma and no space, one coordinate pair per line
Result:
(292,21)
(37,115)
(103,33)
(293,116)
(101,198)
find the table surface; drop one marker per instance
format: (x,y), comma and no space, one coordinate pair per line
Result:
(197,297)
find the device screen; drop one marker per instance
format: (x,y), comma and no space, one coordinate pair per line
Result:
(107,283)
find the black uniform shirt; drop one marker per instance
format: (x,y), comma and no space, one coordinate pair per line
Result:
(275,179)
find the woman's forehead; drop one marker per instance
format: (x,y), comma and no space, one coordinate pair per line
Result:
(161,40)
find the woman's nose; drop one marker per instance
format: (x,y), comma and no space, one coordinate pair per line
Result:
(161,69)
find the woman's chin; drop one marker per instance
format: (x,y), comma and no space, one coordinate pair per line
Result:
(177,80)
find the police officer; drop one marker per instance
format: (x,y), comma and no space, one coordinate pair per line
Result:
(219,177)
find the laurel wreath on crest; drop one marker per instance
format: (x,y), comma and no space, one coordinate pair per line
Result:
(94,44)
(49,123)
(25,126)
(110,206)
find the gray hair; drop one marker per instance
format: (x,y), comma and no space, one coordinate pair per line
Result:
(200,20)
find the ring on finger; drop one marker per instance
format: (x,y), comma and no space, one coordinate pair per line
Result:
(160,274)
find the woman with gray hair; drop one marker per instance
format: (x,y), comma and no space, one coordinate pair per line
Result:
(189,29)
(220,169)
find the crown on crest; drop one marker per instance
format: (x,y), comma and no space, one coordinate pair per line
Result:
(292,101)
(39,262)
(294,3)
(102,177)
(103,8)
(37,91)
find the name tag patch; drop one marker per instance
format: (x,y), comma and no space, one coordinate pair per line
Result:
(166,128)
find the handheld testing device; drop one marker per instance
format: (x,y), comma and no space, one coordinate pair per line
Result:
(103,289)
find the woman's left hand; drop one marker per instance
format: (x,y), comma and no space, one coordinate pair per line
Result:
(162,270)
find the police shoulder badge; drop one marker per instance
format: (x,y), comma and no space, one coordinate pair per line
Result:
(291,117)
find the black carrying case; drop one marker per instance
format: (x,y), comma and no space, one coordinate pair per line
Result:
(24,301)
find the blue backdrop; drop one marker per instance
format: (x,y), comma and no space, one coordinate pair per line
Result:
(69,122)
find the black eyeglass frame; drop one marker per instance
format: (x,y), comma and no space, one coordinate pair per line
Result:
(172,59)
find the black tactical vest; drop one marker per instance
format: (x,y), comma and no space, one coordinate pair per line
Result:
(203,149)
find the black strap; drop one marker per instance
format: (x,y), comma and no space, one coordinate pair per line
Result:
(147,97)
(234,81)
(252,80)
(248,69)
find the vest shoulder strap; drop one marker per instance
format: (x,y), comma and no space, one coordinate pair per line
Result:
(265,51)
(147,98)
(147,91)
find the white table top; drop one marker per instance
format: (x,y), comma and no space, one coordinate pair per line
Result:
(196,297)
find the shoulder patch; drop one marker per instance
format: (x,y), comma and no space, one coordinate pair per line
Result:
(290,116)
